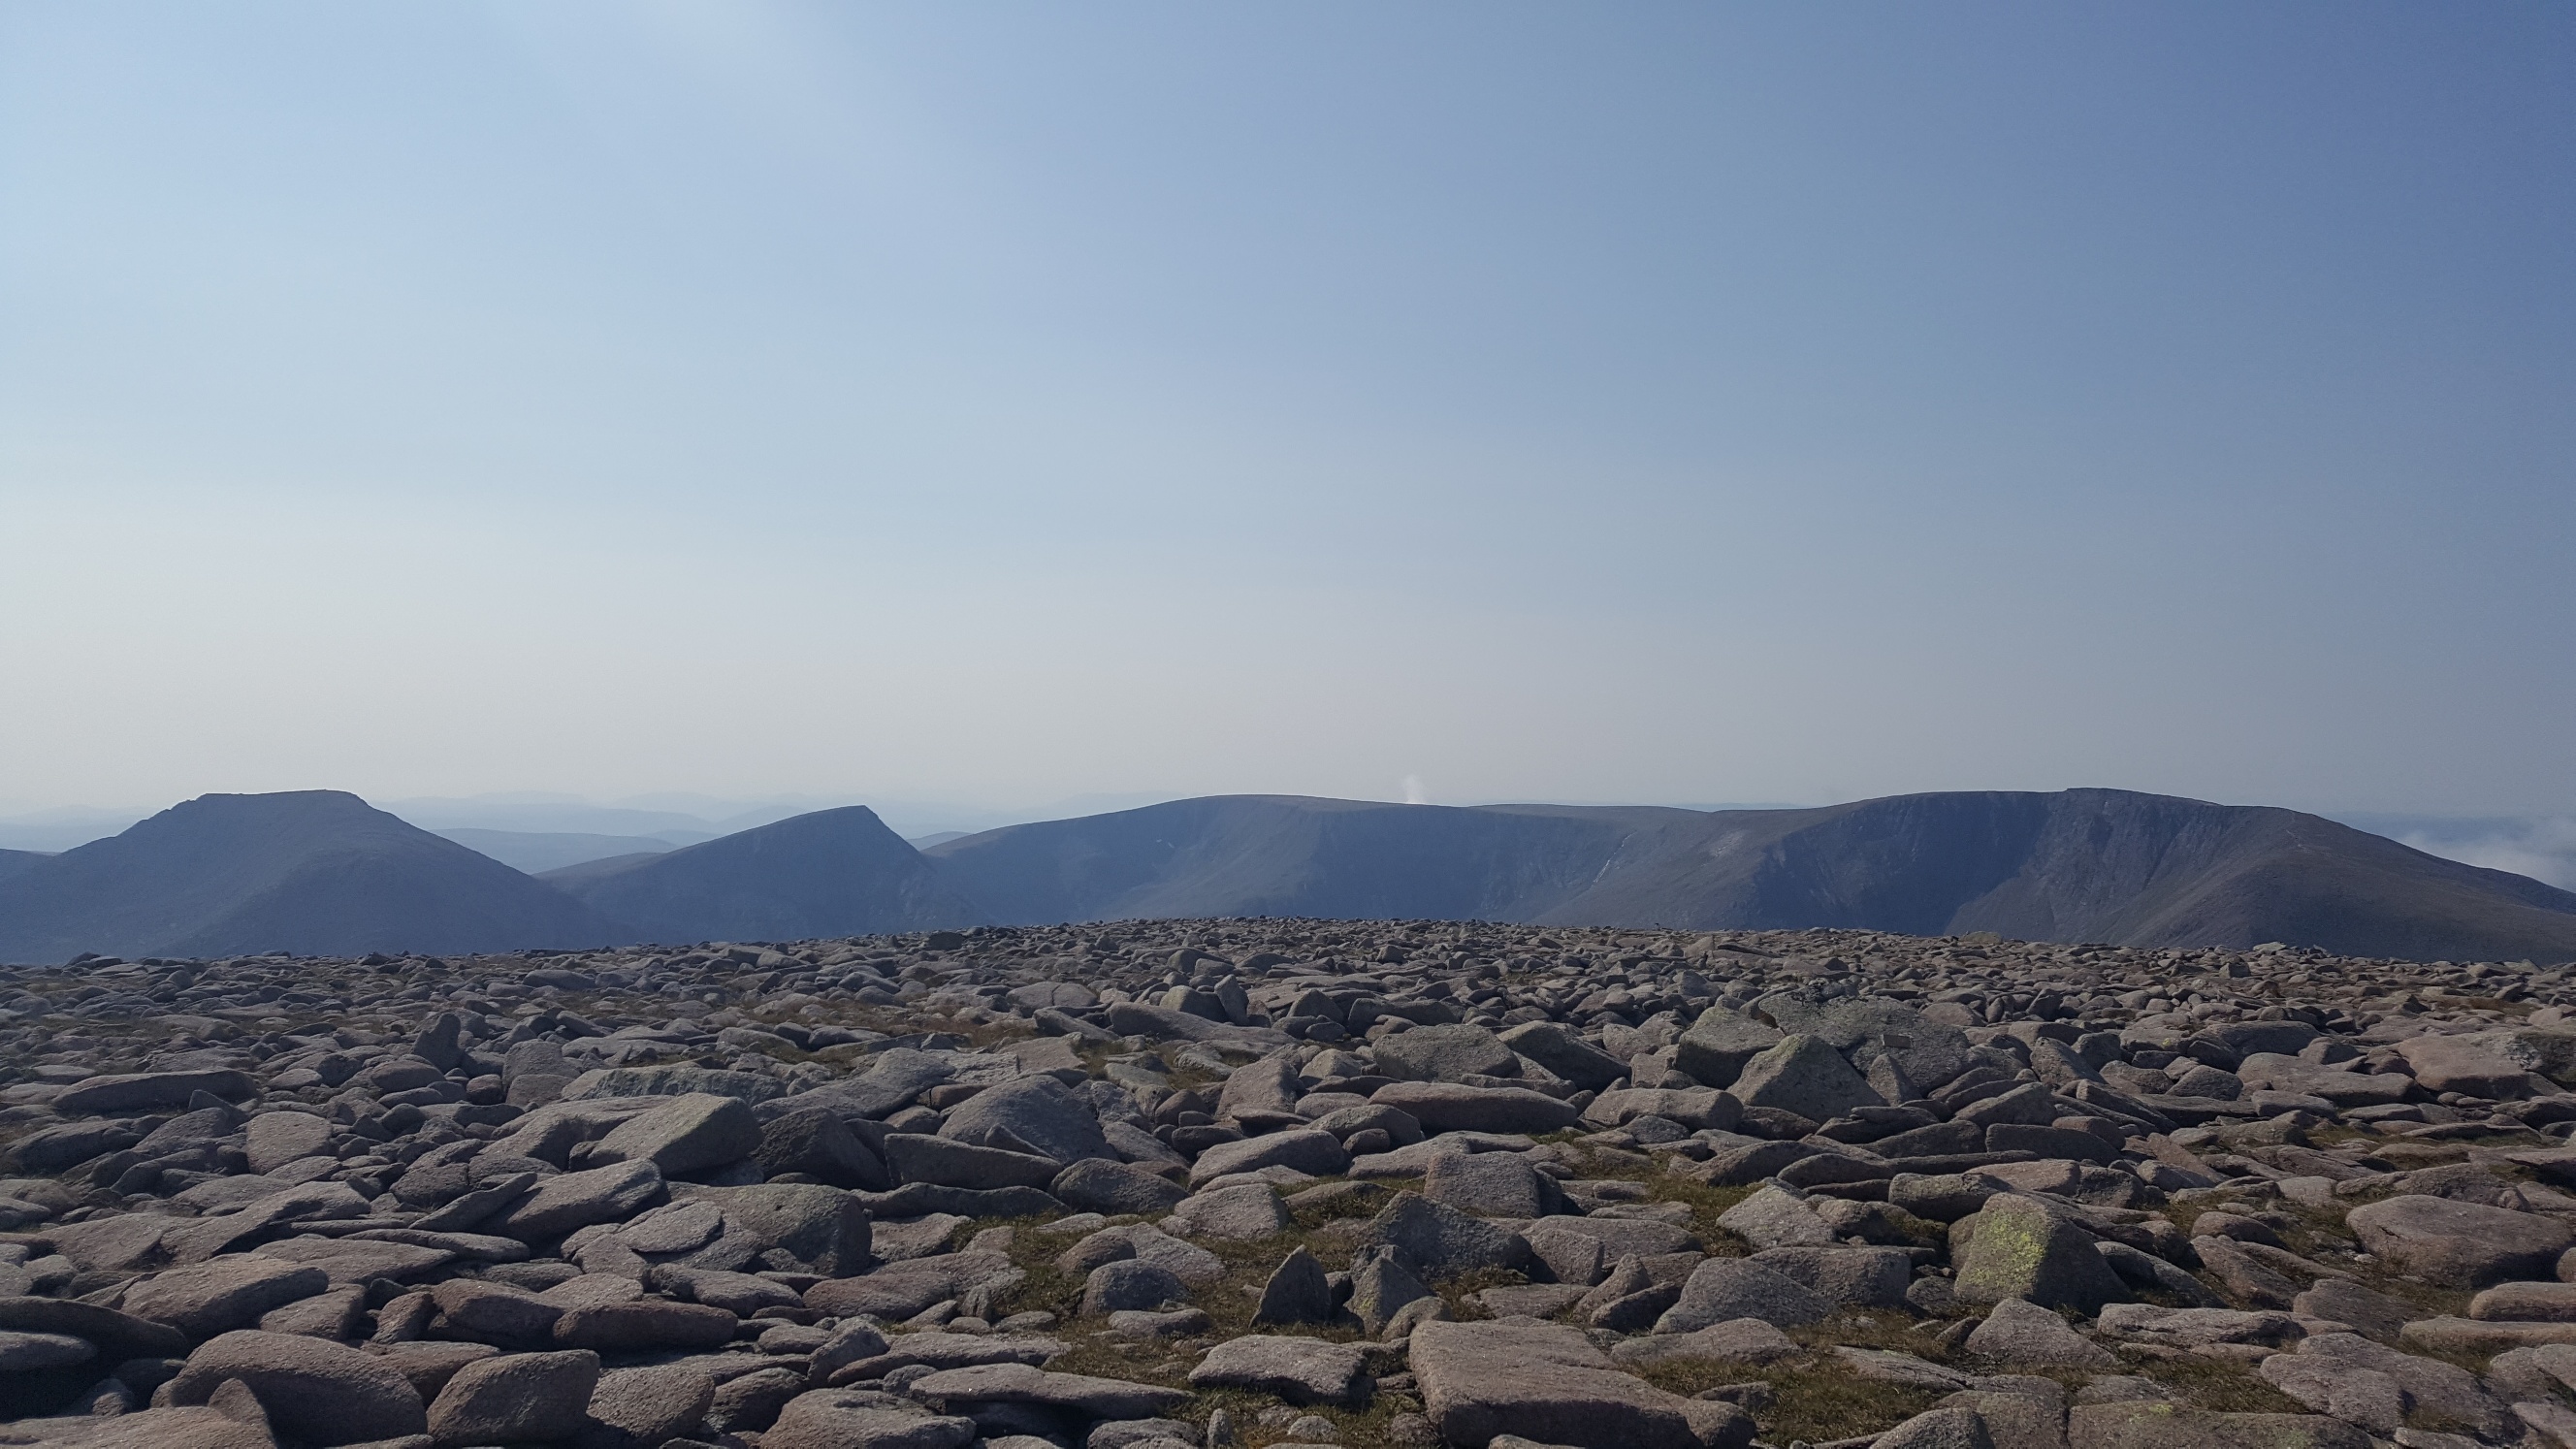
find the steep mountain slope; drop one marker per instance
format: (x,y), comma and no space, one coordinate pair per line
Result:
(831,873)
(2079,865)
(538,851)
(1285,855)
(311,871)
(12,862)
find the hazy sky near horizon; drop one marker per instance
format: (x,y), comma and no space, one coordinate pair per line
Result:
(1663,402)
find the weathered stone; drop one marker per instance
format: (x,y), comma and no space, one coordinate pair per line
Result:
(275,1139)
(2459,1244)
(1306,1150)
(1721,1289)
(1298,1292)
(849,1419)
(515,1397)
(1718,1045)
(1037,1115)
(227,1293)
(820,1145)
(1440,1241)
(2022,1333)
(1496,1184)
(1297,1370)
(1445,1054)
(1245,1212)
(558,1205)
(1102,1186)
(1548,1383)
(689,1135)
(324,1392)
(2160,1425)
(918,1157)
(1557,1048)
(146,1091)
(1801,1074)
(1013,1383)
(1447,1107)
(2015,1248)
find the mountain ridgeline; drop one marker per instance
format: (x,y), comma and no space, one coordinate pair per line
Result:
(320,871)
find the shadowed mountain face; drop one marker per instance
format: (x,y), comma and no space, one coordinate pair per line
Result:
(831,873)
(321,872)
(314,871)
(537,852)
(2080,865)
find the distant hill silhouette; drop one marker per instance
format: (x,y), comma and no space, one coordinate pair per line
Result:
(832,873)
(312,871)
(322,872)
(2080,865)
(539,851)
(14,861)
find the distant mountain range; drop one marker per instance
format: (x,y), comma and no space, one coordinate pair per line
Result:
(311,871)
(320,871)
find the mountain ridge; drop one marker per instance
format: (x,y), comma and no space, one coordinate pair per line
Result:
(2113,866)
(309,871)
(322,871)
(837,872)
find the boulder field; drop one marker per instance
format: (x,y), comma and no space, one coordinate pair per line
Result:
(1199,1184)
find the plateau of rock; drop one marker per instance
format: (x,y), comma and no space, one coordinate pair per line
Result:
(1260,1182)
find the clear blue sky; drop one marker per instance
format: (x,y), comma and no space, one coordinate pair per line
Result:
(1656,402)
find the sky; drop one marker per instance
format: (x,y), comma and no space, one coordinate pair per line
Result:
(1005,404)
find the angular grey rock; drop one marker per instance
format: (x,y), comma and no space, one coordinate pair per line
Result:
(643,1323)
(1717,1046)
(1445,1054)
(1849,1277)
(326,1393)
(1802,1074)
(1773,1218)
(2021,1333)
(1698,1110)
(2159,1425)
(1012,1383)
(1724,1288)
(1495,1184)
(1447,1107)
(278,1138)
(1547,1382)
(559,1204)
(1557,1048)
(514,1397)
(1130,1284)
(1439,1241)
(1382,1286)
(820,1145)
(849,1419)
(1099,1185)
(1960,1428)
(689,1135)
(645,1408)
(2459,1244)
(1035,1114)
(1735,1340)
(1243,1213)
(147,1091)
(1299,1371)
(943,1162)
(1298,1291)
(1306,1150)
(1268,1088)
(223,1294)
(28,1352)
(2016,1248)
